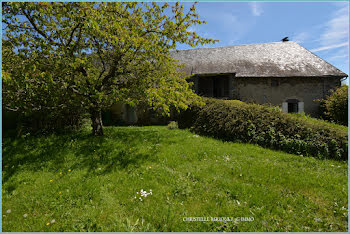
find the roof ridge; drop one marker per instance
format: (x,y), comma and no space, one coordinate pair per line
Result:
(264,43)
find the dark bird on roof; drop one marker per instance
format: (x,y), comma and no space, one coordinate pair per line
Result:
(285,39)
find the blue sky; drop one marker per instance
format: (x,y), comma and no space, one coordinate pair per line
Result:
(321,27)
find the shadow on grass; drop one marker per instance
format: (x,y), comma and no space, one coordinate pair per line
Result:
(118,149)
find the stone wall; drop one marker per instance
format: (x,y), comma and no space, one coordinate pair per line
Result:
(257,90)
(277,90)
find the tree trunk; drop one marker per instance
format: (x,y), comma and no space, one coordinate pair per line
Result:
(96,120)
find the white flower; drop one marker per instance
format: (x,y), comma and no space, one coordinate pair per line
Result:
(53,221)
(25,215)
(8,211)
(143,193)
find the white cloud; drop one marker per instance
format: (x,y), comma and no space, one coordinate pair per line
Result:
(256,8)
(341,56)
(334,39)
(228,25)
(337,28)
(301,37)
(330,40)
(333,46)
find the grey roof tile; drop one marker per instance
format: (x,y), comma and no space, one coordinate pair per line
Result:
(277,59)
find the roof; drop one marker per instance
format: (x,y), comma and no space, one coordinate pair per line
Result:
(277,59)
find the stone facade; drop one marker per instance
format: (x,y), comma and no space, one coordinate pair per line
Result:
(292,94)
(284,74)
(283,92)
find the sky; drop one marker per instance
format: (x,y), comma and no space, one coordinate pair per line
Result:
(321,27)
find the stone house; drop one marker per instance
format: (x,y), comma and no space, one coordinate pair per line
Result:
(280,73)
(284,74)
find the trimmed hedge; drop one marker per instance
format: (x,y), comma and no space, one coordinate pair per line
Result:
(233,120)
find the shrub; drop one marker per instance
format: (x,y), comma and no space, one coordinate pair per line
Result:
(265,126)
(335,106)
(40,122)
(172,125)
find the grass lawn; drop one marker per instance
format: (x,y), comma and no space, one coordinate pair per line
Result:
(76,182)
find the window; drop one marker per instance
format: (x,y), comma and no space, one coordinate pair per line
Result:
(293,106)
(221,87)
(214,86)
(205,86)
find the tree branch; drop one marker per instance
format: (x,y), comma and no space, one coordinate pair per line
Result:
(72,34)
(38,30)
(99,53)
(76,42)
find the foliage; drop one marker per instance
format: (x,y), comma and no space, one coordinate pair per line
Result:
(190,176)
(173,125)
(91,55)
(32,99)
(40,122)
(268,127)
(320,121)
(335,106)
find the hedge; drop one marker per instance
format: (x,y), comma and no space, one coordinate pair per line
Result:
(232,120)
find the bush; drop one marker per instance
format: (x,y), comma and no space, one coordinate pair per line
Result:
(335,106)
(40,122)
(172,125)
(269,127)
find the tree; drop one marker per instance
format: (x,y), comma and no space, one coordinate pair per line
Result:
(95,54)
(335,106)
(32,98)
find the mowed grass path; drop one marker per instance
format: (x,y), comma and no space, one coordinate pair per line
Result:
(77,182)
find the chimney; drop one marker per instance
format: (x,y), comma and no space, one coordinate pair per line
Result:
(285,39)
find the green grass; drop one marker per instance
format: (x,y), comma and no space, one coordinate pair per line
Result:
(190,176)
